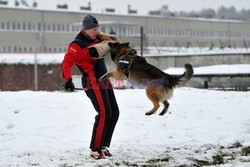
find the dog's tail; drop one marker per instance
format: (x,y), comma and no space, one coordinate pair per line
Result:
(186,76)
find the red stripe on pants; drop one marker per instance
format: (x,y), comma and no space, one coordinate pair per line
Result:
(102,118)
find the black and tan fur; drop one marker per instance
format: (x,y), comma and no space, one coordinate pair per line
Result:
(139,69)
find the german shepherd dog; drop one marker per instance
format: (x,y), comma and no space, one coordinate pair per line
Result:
(159,85)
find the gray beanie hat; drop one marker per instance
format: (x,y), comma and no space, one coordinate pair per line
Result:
(89,22)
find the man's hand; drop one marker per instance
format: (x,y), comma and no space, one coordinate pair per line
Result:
(69,85)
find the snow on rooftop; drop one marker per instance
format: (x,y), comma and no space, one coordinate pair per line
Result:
(216,69)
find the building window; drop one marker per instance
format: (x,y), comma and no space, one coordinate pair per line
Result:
(39,26)
(8,25)
(9,48)
(24,26)
(53,27)
(19,26)
(67,27)
(33,26)
(3,49)
(63,27)
(29,26)
(58,27)
(73,28)
(3,25)
(13,25)
(43,26)
(15,49)
(49,27)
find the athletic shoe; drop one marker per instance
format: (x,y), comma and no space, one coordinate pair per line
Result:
(96,155)
(105,152)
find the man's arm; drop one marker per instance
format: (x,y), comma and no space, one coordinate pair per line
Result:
(71,57)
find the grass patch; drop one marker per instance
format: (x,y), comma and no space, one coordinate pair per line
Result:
(245,151)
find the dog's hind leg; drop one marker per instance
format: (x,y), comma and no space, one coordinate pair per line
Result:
(156,106)
(154,99)
(165,109)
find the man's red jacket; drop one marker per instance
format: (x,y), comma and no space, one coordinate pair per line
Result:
(78,53)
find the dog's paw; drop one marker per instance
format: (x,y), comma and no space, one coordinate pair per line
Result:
(149,113)
(162,113)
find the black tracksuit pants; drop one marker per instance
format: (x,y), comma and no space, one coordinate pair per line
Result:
(106,106)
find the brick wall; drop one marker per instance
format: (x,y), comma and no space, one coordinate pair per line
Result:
(15,77)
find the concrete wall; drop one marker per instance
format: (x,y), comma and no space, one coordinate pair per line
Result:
(220,82)
(15,77)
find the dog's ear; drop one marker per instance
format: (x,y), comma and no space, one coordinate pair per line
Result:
(126,44)
(112,45)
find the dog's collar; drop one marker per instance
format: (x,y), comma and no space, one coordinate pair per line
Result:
(126,62)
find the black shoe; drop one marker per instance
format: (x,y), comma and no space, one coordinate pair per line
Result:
(105,152)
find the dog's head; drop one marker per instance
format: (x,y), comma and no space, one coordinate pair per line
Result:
(119,50)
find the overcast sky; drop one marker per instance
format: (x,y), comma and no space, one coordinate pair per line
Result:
(142,6)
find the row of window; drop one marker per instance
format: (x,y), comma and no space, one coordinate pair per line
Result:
(28,26)
(123,30)
(167,32)
(32,49)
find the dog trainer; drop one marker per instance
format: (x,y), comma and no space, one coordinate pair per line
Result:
(102,98)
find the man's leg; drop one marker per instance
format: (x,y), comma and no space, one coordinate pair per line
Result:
(114,118)
(102,119)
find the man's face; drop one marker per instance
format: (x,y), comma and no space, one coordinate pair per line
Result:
(93,32)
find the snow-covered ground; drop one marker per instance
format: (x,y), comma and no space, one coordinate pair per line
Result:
(203,127)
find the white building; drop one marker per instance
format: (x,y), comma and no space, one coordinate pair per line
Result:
(23,30)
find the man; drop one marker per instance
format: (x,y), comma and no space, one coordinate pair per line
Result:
(102,97)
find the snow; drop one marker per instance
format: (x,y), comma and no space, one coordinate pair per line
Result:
(29,58)
(54,129)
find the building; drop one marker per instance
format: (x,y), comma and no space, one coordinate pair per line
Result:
(24,30)
(30,30)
